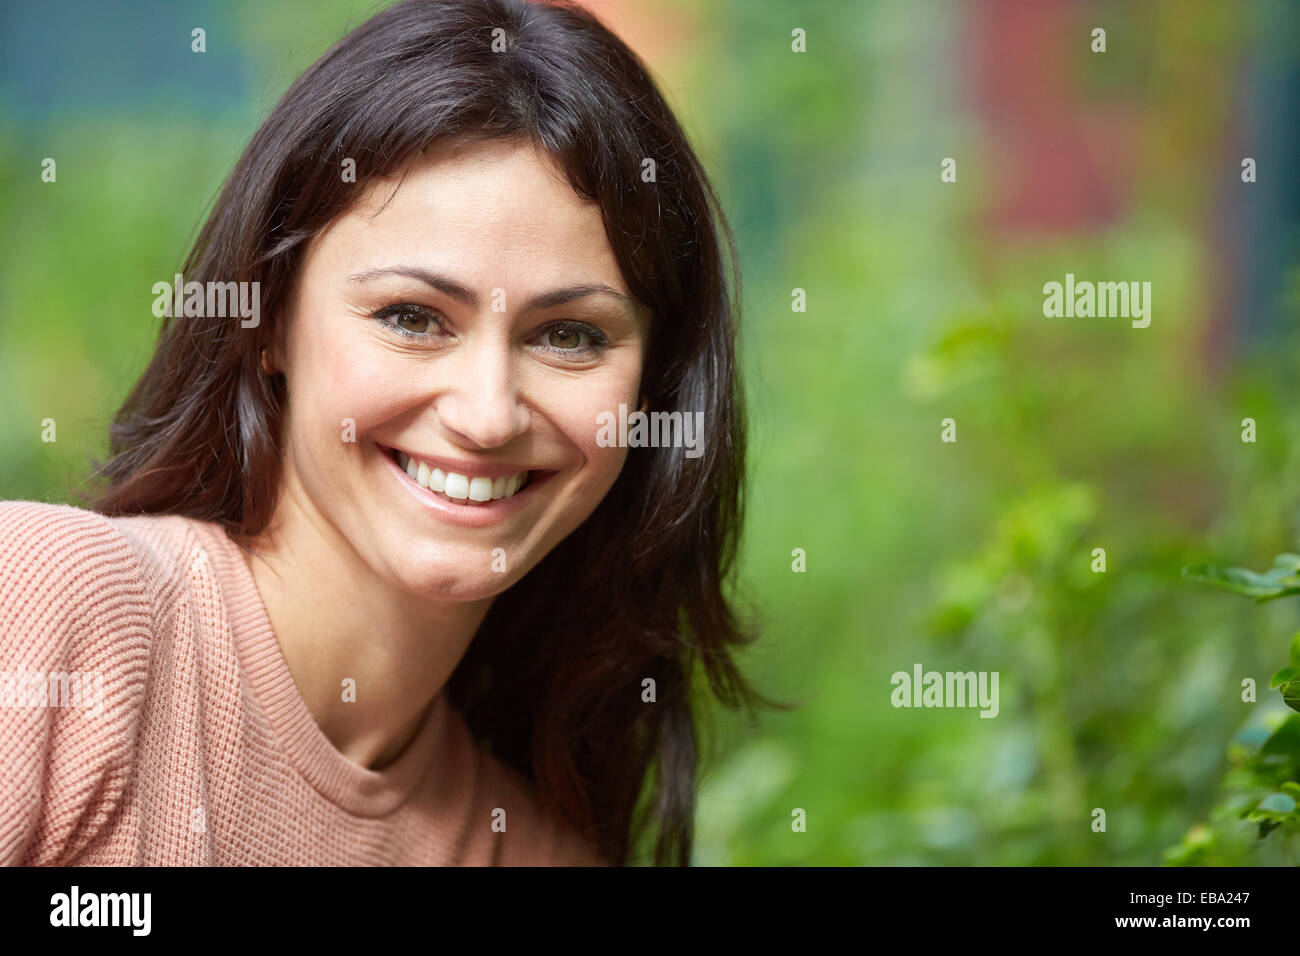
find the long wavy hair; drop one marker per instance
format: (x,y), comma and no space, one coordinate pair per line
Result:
(553,681)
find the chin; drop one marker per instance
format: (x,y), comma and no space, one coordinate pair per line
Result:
(447,585)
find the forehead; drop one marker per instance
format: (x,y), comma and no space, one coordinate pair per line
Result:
(497,214)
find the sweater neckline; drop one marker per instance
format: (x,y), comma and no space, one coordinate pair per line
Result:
(345,783)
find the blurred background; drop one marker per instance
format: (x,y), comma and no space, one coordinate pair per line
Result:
(1119,690)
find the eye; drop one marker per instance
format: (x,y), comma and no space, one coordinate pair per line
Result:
(405,318)
(573,338)
(564,337)
(411,322)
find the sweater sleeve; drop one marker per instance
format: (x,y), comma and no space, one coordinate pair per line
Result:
(75,622)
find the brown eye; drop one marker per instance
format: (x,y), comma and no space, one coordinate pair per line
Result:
(571,341)
(564,338)
(412,321)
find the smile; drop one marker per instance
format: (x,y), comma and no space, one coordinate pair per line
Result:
(462,489)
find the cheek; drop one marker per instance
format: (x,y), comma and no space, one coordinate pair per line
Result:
(580,418)
(343,392)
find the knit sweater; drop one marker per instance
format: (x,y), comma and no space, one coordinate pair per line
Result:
(148,717)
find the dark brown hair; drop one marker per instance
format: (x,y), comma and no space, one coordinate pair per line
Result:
(552,681)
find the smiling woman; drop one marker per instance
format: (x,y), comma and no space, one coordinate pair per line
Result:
(364,580)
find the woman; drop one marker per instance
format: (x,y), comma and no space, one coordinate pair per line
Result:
(368,582)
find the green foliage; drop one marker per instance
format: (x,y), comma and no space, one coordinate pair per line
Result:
(1118,688)
(1281,581)
(1264,782)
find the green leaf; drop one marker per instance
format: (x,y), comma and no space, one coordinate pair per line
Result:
(1294,650)
(1291,694)
(1277,803)
(1276,583)
(1288,562)
(1286,739)
(1292,788)
(1283,676)
(1253,736)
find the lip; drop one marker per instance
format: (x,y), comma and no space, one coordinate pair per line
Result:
(497,469)
(469,516)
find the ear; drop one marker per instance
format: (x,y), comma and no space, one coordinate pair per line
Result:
(274,356)
(270,361)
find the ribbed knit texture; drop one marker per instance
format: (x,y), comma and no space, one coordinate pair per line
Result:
(202,751)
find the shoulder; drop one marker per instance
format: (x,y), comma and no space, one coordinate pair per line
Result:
(76,569)
(34,530)
(65,570)
(86,604)
(75,596)
(84,593)
(76,627)
(533,835)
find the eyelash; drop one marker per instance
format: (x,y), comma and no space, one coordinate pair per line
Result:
(403,308)
(599,341)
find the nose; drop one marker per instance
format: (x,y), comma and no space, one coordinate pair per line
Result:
(480,403)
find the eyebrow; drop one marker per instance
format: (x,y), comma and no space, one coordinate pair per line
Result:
(467,297)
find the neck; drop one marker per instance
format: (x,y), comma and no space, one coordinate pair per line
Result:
(336,620)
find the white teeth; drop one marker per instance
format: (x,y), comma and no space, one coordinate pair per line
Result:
(478,488)
(457,486)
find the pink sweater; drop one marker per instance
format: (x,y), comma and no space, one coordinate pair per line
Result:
(147,717)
